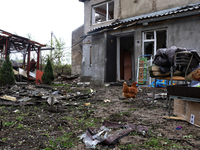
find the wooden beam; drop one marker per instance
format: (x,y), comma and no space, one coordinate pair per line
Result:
(38,58)
(28,61)
(6,47)
(173,118)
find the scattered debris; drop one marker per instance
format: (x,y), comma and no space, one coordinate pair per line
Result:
(107,101)
(71,104)
(104,105)
(178,128)
(26,99)
(173,118)
(158,96)
(52,100)
(10,98)
(16,111)
(87,104)
(107,136)
(21,83)
(106,85)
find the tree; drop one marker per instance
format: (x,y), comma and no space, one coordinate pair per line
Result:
(57,55)
(6,73)
(48,76)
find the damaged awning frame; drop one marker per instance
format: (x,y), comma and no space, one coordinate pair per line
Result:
(15,43)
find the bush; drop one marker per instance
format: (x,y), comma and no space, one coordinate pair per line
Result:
(6,73)
(63,69)
(48,76)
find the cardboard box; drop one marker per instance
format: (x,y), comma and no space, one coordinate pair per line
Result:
(187,110)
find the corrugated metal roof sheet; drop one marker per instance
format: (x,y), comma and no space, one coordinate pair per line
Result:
(187,8)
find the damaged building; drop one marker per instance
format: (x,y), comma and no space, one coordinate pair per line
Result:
(118,32)
(13,44)
(77,50)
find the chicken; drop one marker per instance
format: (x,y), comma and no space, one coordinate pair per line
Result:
(130,92)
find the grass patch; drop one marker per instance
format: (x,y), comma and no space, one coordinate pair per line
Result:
(8,123)
(19,118)
(67,118)
(125,114)
(20,126)
(65,141)
(126,147)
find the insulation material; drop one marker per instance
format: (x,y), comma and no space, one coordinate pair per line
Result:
(24,73)
(15,72)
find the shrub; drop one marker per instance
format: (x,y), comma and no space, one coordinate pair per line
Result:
(48,76)
(6,73)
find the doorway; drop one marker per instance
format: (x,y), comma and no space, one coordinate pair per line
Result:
(126,55)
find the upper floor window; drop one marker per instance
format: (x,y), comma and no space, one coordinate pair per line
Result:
(103,12)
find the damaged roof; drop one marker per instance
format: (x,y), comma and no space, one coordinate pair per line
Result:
(178,12)
(17,43)
(19,39)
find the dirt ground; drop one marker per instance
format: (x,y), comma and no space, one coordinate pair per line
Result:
(37,125)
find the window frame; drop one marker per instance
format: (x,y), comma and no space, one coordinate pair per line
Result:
(107,12)
(152,40)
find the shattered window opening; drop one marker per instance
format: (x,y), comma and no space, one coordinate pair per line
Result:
(149,35)
(103,12)
(153,40)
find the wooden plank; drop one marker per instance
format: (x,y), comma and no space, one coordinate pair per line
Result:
(173,118)
(177,78)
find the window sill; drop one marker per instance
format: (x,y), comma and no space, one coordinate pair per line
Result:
(102,23)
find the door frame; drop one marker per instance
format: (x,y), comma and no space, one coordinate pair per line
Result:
(110,74)
(118,54)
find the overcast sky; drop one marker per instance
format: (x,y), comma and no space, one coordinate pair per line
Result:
(41,17)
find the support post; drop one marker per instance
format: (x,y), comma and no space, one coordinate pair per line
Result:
(38,58)
(28,61)
(6,48)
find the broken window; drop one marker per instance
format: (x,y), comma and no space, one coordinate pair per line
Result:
(103,12)
(153,40)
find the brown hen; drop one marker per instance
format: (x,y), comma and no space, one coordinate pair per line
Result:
(130,92)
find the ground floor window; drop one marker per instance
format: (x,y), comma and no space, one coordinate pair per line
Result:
(153,40)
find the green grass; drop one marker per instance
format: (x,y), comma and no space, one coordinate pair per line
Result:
(19,118)
(20,126)
(8,123)
(124,114)
(60,84)
(65,141)
(126,147)
(4,139)
(67,118)
(45,134)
